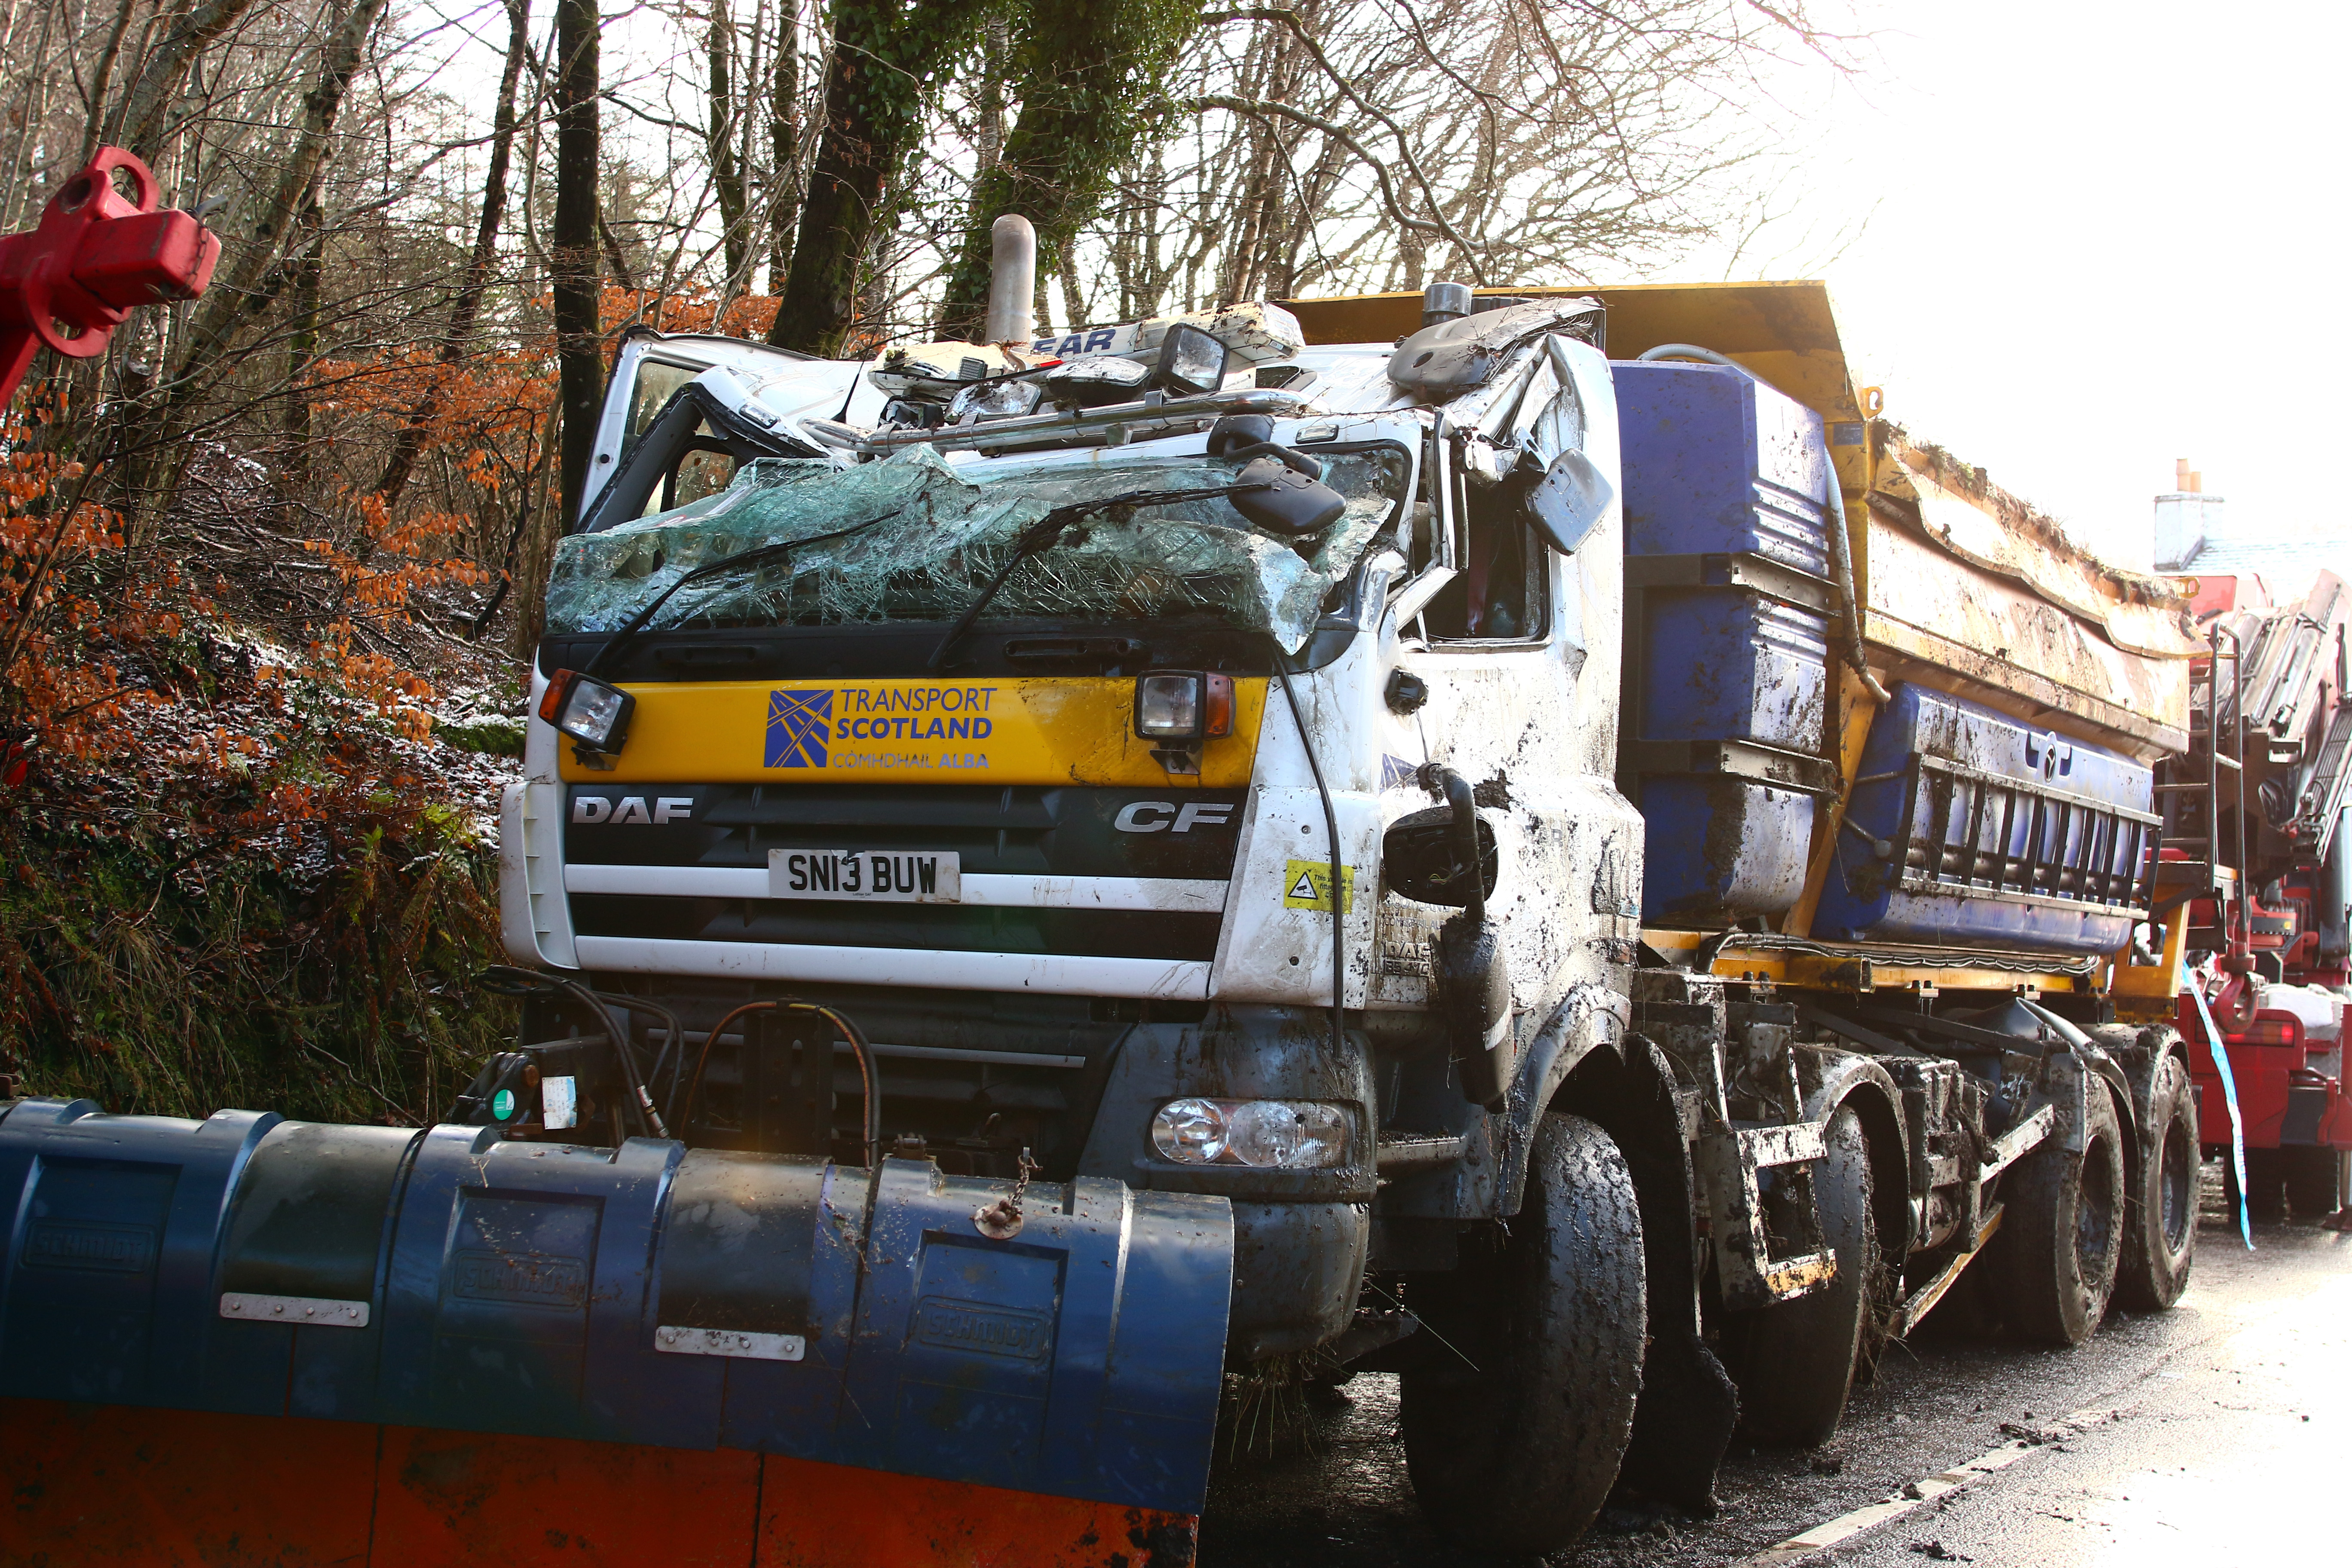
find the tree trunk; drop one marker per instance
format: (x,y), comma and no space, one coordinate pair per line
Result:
(95,104)
(883,54)
(784,141)
(995,60)
(410,442)
(572,253)
(726,171)
(302,346)
(138,122)
(1086,72)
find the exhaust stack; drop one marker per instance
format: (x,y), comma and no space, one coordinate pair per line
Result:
(1012,282)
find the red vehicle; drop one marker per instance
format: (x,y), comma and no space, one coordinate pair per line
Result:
(2285,1049)
(2266,789)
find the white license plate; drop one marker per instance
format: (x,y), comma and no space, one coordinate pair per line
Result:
(870,875)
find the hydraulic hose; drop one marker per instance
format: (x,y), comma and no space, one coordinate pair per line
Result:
(869,1122)
(1840,546)
(650,1120)
(702,1060)
(870,1078)
(672,1041)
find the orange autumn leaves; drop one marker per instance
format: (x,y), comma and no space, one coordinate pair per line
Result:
(79,606)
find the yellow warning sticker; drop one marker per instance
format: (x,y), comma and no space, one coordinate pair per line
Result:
(1307,885)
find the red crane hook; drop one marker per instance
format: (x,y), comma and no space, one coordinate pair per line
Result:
(95,259)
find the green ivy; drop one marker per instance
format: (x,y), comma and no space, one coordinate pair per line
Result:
(1089,77)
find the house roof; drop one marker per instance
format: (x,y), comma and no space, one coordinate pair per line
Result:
(2286,560)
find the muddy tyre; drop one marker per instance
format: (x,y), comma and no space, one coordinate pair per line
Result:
(1794,1362)
(2310,1182)
(2160,1221)
(2061,1230)
(1517,1455)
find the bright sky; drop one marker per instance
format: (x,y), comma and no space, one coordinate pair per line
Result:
(2099,237)
(2107,236)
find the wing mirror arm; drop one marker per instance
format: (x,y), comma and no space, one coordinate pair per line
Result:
(1470,968)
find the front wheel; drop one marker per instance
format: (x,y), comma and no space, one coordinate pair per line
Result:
(2062,1231)
(2160,1228)
(1514,1432)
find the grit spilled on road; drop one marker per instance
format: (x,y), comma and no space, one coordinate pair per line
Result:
(2218,1432)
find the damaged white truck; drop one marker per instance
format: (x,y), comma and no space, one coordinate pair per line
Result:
(1530,841)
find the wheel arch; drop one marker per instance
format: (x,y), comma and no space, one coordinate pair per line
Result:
(2134,1054)
(1849,1078)
(1590,1019)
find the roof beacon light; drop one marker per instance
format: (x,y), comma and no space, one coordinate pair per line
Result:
(1444,302)
(1192,359)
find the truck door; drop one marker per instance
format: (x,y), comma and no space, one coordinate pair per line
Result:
(1517,649)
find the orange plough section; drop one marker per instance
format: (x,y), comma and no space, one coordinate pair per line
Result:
(168,1488)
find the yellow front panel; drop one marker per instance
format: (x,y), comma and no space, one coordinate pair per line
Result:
(1014,732)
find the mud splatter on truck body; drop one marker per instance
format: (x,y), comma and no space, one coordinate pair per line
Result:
(1534,841)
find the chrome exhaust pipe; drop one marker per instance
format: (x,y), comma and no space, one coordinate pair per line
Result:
(1012,282)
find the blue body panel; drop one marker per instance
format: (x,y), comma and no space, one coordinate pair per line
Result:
(1723,664)
(517,1287)
(1715,461)
(1717,844)
(1998,835)
(1718,465)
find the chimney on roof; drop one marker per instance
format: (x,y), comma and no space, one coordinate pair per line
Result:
(2185,519)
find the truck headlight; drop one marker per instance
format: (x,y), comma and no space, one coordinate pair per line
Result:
(591,712)
(1267,1134)
(1182,705)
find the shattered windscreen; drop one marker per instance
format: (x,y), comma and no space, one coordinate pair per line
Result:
(922,542)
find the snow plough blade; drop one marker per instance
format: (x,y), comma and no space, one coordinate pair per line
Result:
(247,1340)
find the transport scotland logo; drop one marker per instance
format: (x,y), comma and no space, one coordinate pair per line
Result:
(800,727)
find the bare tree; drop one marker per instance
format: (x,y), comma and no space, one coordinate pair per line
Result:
(573,249)
(468,305)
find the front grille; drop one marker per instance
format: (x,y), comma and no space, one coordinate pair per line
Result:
(1062,831)
(939,928)
(1008,831)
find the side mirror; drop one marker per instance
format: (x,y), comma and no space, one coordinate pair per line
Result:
(1569,502)
(1295,503)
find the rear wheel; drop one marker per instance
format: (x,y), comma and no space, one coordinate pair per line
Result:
(2310,1182)
(1513,1437)
(1794,1360)
(2160,1225)
(2062,1229)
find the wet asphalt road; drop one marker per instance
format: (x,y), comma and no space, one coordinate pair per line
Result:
(2223,1436)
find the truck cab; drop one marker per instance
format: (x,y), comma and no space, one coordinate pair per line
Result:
(1070,866)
